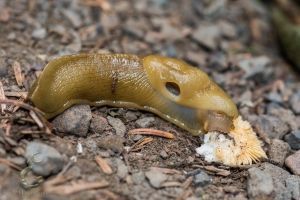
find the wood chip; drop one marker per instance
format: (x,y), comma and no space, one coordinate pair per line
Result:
(109,194)
(2,96)
(103,165)
(171,184)
(166,170)
(187,182)
(146,140)
(6,162)
(215,170)
(36,119)
(150,131)
(18,73)
(23,95)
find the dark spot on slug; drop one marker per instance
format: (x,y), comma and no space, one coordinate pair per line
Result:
(113,84)
(173,88)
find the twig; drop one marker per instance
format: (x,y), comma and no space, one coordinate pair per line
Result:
(6,162)
(149,131)
(103,165)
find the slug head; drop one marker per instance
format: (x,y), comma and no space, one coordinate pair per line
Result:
(191,87)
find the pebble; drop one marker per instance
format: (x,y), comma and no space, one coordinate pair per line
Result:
(281,192)
(73,17)
(293,185)
(130,116)
(97,125)
(118,125)
(163,154)
(227,29)
(273,96)
(207,36)
(240,197)
(276,172)
(39,33)
(215,9)
(202,179)
(199,58)
(122,170)
(231,189)
(137,137)
(293,162)
(74,172)
(135,27)
(3,67)
(145,122)
(170,32)
(156,178)
(52,160)
(20,161)
(278,152)
(259,66)
(273,127)
(113,143)
(217,61)
(295,102)
(91,145)
(293,139)
(259,184)
(75,120)
(171,51)
(11,36)
(138,177)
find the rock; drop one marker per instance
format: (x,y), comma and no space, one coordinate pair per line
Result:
(112,142)
(137,137)
(171,51)
(73,17)
(293,185)
(20,161)
(75,120)
(3,67)
(202,179)
(156,178)
(295,102)
(135,27)
(91,145)
(293,162)
(97,125)
(278,152)
(215,9)
(227,29)
(163,154)
(259,184)
(281,191)
(246,99)
(145,122)
(130,116)
(170,32)
(11,36)
(217,61)
(273,96)
(239,197)
(285,115)
(231,189)
(253,67)
(293,139)
(272,126)
(199,58)
(74,172)
(276,172)
(122,170)
(138,177)
(208,36)
(39,33)
(52,160)
(118,125)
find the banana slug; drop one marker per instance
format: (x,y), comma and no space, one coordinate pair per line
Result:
(170,88)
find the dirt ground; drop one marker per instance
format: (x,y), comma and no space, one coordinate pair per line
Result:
(233,41)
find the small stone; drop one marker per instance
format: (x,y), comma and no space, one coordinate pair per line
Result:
(39,33)
(217,61)
(278,152)
(215,9)
(293,185)
(281,191)
(293,162)
(122,170)
(91,145)
(118,125)
(137,137)
(3,67)
(75,120)
(198,58)
(202,179)
(73,17)
(97,125)
(293,139)
(52,160)
(170,32)
(273,127)
(171,51)
(11,36)
(130,116)
(138,177)
(113,143)
(163,154)
(240,197)
(295,102)
(74,172)
(227,29)
(273,96)
(276,172)
(259,66)
(20,161)
(259,184)
(208,36)
(156,178)
(145,122)
(135,27)
(231,189)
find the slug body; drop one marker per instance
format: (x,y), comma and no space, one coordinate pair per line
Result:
(170,88)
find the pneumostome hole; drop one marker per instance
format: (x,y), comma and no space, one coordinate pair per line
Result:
(173,88)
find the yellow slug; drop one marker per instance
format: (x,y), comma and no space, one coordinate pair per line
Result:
(170,88)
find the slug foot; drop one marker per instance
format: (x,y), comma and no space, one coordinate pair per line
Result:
(240,147)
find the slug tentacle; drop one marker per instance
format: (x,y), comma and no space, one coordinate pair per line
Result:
(170,88)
